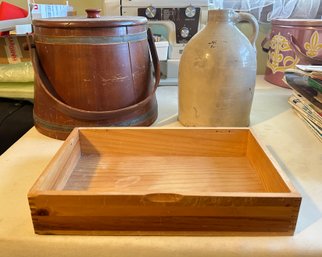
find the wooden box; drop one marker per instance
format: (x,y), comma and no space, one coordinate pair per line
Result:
(169,181)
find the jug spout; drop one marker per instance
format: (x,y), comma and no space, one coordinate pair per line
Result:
(222,15)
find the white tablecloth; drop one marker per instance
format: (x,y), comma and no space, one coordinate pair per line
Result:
(289,140)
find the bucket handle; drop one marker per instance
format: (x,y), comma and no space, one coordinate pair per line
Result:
(264,42)
(295,47)
(81,114)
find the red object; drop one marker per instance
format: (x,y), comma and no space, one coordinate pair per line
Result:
(93,13)
(10,11)
(112,83)
(292,41)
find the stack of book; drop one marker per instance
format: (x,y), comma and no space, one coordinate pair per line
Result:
(306,100)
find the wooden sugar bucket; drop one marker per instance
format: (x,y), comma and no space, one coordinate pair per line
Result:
(93,72)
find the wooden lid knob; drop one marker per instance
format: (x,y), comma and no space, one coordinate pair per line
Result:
(93,13)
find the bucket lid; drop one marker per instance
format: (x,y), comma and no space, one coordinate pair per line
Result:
(298,22)
(93,20)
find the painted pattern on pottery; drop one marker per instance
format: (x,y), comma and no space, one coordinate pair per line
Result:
(280,44)
(277,62)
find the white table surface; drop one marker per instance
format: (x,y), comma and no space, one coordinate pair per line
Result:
(286,136)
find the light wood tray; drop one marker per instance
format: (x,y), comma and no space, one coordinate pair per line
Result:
(169,181)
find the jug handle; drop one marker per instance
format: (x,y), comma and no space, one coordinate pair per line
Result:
(252,20)
(81,114)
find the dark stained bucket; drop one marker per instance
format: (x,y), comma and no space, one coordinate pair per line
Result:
(93,72)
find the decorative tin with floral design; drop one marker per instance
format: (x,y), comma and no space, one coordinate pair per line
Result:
(285,53)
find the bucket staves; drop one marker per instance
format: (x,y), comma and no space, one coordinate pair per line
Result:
(93,72)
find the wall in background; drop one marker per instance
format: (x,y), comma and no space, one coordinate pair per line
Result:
(80,7)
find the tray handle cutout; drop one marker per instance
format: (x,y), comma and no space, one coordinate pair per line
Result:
(163,197)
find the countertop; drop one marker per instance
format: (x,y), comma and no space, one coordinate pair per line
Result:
(292,144)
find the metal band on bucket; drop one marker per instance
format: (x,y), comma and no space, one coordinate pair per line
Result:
(93,40)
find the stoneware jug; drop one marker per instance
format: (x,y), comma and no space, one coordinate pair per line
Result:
(217,73)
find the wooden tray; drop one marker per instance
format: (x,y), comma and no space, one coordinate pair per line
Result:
(169,181)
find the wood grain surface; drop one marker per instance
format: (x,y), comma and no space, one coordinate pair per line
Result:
(170,181)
